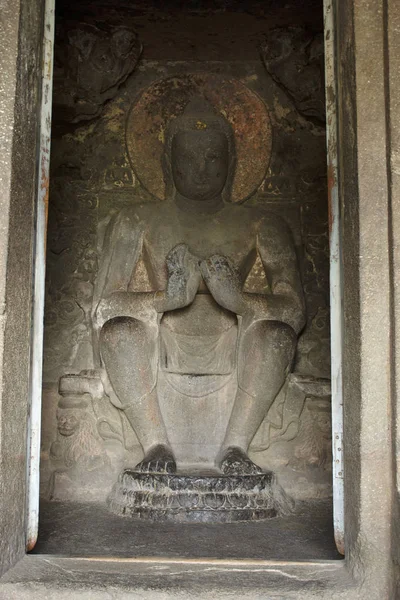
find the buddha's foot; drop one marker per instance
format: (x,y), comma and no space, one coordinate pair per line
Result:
(236,462)
(158,460)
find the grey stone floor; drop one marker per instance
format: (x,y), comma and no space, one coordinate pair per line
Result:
(81,530)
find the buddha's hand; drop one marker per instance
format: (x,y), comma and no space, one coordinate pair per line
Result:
(223,281)
(183,280)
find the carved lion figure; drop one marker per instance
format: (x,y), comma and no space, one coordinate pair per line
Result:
(78,443)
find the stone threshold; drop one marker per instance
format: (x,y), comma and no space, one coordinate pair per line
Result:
(57,577)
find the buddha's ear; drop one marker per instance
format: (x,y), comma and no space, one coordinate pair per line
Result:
(167,170)
(227,191)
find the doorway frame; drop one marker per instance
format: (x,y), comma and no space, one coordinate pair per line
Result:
(367,92)
(336,296)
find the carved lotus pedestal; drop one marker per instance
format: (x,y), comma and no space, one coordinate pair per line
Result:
(198,498)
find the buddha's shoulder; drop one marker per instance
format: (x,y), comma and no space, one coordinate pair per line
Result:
(259,216)
(138,214)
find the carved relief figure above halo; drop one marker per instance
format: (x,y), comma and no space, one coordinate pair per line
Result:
(193,359)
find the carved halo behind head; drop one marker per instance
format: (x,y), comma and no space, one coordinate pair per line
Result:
(236,109)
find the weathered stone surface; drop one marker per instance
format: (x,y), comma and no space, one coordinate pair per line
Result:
(93,179)
(296,439)
(369,205)
(166,99)
(196,332)
(295,59)
(92,176)
(67,316)
(253,580)
(198,499)
(92,443)
(90,65)
(370,463)
(20,59)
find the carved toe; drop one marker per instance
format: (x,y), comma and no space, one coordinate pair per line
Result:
(236,462)
(158,460)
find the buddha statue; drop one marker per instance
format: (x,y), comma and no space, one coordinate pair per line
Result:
(192,332)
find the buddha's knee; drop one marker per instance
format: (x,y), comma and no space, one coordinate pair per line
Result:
(271,335)
(120,329)
(128,349)
(266,353)
(266,334)
(129,337)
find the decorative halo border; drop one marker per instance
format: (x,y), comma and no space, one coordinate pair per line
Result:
(166,99)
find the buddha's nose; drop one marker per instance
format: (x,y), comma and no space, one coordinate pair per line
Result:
(201,165)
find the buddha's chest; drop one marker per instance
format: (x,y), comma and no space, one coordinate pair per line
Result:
(203,236)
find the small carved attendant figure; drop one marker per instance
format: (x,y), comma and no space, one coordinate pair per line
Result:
(90,65)
(193,330)
(81,466)
(79,444)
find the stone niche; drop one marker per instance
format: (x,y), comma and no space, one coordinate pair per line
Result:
(186,357)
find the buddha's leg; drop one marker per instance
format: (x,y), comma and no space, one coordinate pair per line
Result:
(129,351)
(265,354)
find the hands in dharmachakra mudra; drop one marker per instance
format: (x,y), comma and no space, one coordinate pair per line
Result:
(197,321)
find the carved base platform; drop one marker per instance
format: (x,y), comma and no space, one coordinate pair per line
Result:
(198,498)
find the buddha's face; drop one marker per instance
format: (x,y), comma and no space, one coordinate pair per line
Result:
(200,163)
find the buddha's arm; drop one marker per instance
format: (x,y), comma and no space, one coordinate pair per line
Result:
(122,249)
(286,301)
(143,306)
(137,305)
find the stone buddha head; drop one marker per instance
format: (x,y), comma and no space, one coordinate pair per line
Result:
(200,157)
